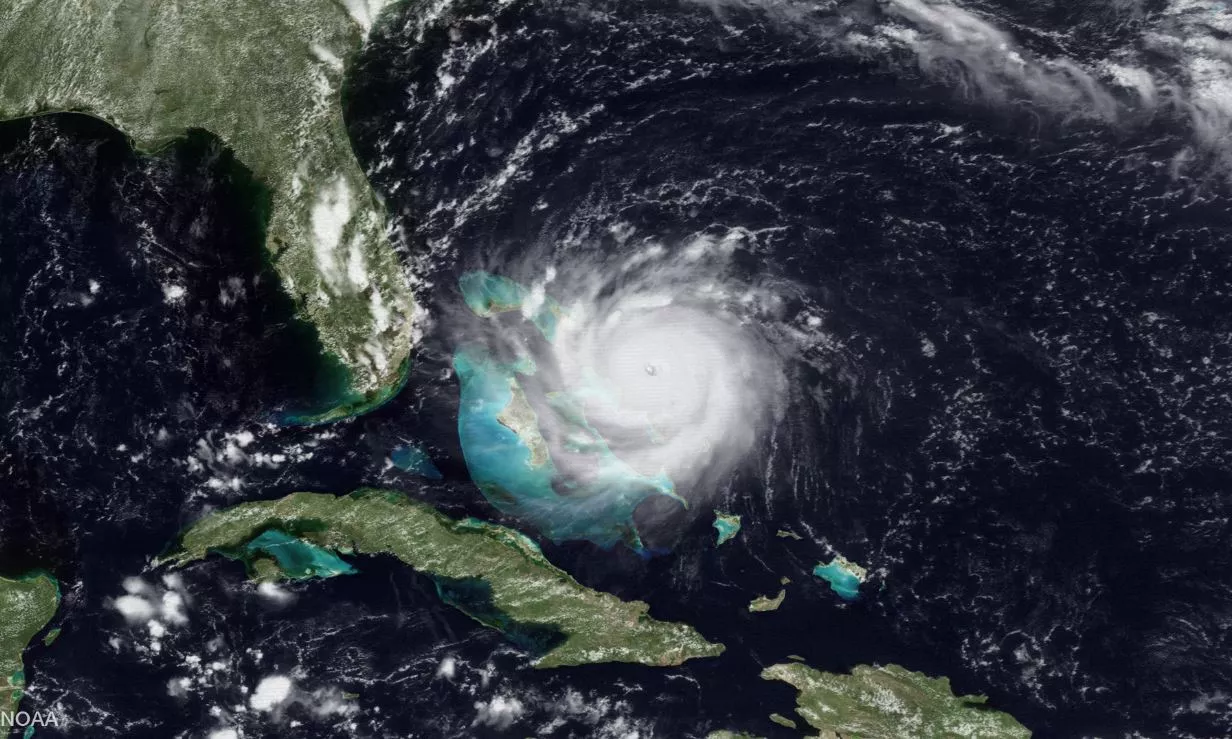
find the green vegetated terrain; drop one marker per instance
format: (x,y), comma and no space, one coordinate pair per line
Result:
(492,573)
(27,604)
(891,702)
(265,77)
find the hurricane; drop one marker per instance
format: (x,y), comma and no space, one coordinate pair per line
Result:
(648,373)
(682,377)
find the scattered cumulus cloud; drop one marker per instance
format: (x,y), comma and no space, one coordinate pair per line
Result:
(173,294)
(271,692)
(158,606)
(275,593)
(500,712)
(447,669)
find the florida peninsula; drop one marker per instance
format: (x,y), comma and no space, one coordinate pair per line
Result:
(265,77)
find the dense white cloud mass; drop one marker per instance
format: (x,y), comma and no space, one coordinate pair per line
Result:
(662,352)
(271,692)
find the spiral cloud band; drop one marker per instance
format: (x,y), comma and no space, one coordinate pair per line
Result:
(650,371)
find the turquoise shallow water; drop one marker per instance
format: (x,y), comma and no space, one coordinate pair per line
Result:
(726,528)
(297,558)
(414,459)
(487,294)
(842,582)
(599,509)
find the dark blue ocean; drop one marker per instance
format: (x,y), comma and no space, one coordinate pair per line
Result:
(1021,424)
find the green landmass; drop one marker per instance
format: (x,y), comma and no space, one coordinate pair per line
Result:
(782,720)
(785,534)
(26,605)
(891,702)
(265,77)
(520,418)
(726,526)
(494,574)
(761,603)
